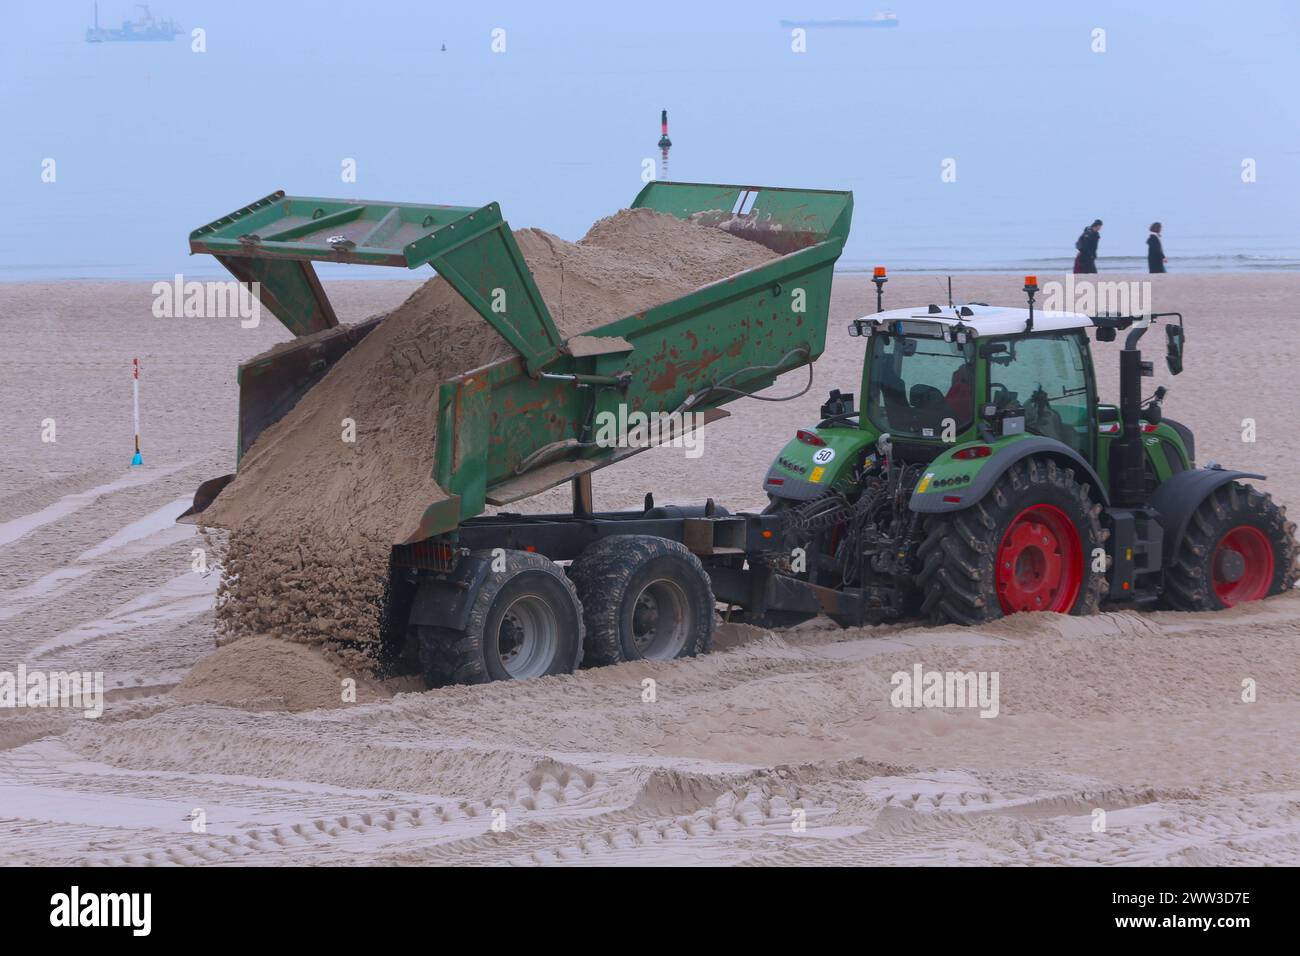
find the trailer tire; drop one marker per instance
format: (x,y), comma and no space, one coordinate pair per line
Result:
(1030,541)
(1238,547)
(643,598)
(525,622)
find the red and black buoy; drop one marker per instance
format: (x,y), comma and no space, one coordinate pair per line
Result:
(665,143)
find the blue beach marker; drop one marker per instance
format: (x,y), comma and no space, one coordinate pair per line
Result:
(135,396)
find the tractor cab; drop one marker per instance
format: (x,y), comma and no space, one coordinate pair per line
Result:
(941,377)
(936,379)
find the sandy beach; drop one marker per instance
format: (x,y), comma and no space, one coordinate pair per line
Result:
(781,747)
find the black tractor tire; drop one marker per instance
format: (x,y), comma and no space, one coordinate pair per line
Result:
(1238,547)
(526,622)
(1030,544)
(643,598)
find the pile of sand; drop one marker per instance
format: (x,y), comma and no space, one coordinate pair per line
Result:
(313,517)
(267,674)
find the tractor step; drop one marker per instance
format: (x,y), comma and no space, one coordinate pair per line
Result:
(1137,549)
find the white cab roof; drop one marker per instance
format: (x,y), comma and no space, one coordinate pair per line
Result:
(987,320)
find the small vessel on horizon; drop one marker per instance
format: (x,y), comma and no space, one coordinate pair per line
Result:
(144,28)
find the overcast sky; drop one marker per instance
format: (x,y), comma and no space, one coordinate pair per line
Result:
(152,140)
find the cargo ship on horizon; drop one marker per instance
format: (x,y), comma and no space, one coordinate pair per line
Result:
(875,21)
(145,28)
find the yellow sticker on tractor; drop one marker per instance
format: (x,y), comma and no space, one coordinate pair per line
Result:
(816,475)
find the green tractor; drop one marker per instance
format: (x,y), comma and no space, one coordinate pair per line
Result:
(984,476)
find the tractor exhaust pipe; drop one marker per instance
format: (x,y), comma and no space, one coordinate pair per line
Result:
(1128,485)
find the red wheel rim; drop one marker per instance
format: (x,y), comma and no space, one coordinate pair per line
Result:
(1039,562)
(1242,565)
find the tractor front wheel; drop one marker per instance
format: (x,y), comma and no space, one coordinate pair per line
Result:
(1032,544)
(1238,547)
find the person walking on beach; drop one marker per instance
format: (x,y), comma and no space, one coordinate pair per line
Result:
(1156,258)
(1086,244)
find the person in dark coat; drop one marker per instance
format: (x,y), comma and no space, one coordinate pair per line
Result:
(1155,250)
(1086,244)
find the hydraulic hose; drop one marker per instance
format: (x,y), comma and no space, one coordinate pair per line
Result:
(718,386)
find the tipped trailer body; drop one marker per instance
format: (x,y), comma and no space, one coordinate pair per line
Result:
(481,597)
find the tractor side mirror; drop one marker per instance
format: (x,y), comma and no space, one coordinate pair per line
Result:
(1174,338)
(838,405)
(996,352)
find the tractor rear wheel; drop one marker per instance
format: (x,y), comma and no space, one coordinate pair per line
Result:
(1238,547)
(526,622)
(1031,544)
(643,598)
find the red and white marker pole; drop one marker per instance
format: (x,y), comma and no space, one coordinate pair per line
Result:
(665,143)
(135,400)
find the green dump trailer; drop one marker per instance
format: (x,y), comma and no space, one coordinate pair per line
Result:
(475,597)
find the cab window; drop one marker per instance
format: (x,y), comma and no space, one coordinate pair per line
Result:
(1047,376)
(920,386)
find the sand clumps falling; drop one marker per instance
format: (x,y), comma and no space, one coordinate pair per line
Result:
(312,518)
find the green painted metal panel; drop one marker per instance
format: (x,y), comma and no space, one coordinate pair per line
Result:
(1151,445)
(742,329)
(326,230)
(274,241)
(1166,432)
(461,455)
(290,291)
(946,474)
(782,219)
(507,420)
(437,519)
(1155,444)
(478,255)
(747,320)
(847,441)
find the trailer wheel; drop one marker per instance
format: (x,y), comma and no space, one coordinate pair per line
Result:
(1238,547)
(643,598)
(525,622)
(1029,545)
